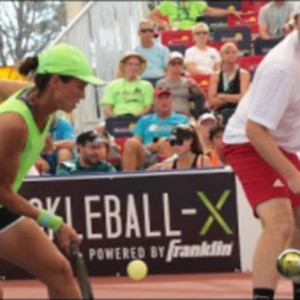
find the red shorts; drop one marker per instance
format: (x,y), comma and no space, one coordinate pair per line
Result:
(259,180)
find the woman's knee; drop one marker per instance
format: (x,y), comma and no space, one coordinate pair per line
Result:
(132,144)
(60,274)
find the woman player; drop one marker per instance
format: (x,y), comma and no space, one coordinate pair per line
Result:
(61,74)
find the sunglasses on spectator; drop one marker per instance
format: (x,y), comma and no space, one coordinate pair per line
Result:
(201,32)
(144,30)
(176,62)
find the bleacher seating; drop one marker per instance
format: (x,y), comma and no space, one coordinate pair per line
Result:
(203,82)
(253,6)
(177,38)
(241,34)
(262,47)
(247,19)
(231,5)
(121,126)
(250,63)
(218,44)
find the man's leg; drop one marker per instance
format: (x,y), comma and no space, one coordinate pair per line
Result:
(277,220)
(295,243)
(134,155)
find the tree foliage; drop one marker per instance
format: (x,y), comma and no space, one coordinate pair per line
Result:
(28,26)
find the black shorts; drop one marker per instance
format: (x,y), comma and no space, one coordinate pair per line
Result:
(7,218)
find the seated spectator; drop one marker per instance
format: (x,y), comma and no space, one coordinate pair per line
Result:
(129,95)
(201,59)
(155,54)
(216,138)
(275,19)
(205,122)
(227,86)
(181,88)
(148,143)
(187,148)
(93,151)
(184,14)
(61,142)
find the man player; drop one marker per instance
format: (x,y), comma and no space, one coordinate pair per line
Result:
(260,143)
(61,74)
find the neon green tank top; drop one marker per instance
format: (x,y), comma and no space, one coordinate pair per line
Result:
(35,140)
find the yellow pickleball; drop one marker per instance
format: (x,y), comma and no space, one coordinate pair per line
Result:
(137,269)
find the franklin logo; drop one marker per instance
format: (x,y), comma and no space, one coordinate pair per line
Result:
(205,249)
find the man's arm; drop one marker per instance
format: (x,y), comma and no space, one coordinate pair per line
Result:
(108,111)
(220,12)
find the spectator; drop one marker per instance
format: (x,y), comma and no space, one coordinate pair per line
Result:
(227,86)
(184,14)
(216,137)
(275,19)
(129,95)
(205,122)
(144,148)
(182,88)
(187,148)
(62,143)
(93,150)
(155,54)
(201,59)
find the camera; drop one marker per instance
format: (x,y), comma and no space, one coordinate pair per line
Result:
(178,135)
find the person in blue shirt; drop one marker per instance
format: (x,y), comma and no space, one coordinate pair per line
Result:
(151,132)
(60,143)
(155,53)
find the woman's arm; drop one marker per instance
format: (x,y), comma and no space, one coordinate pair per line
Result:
(9,87)
(244,85)
(13,136)
(213,100)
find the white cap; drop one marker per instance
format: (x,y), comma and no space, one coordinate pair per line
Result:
(296,10)
(206,116)
(174,55)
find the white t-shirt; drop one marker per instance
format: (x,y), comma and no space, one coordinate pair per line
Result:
(204,60)
(273,99)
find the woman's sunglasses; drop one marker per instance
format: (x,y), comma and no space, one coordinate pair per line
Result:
(201,32)
(144,30)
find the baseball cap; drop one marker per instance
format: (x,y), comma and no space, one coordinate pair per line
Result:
(64,59)
(161,91)
(206,116)
(174,55)
(90,136)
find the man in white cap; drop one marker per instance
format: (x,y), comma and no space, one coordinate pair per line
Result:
(182,88)
(261,141)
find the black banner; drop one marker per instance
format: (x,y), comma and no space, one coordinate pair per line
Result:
(179,222)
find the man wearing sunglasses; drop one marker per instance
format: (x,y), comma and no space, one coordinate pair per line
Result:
(155,54)
(183,14)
